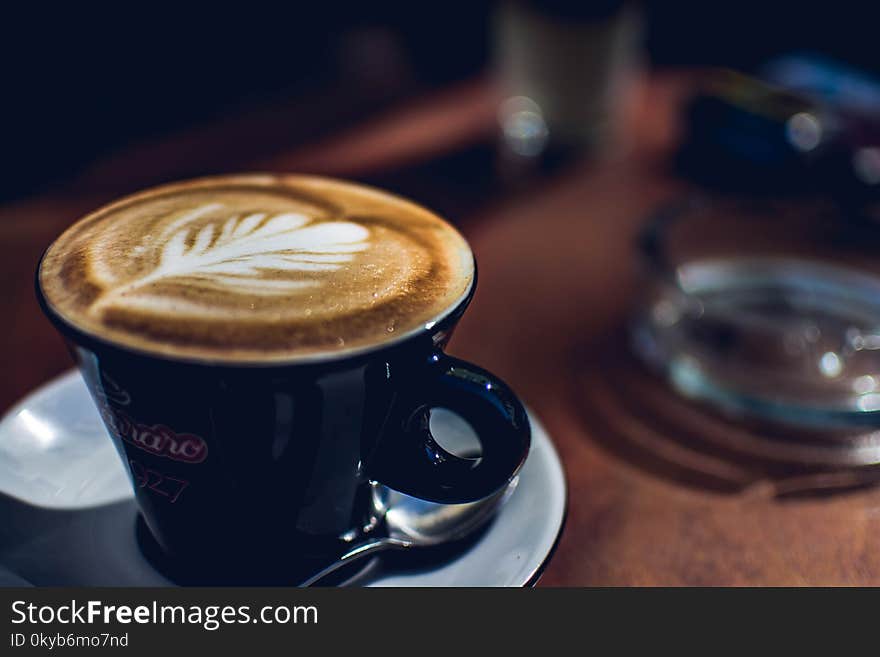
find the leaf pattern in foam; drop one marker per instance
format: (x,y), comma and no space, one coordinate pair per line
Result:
(237,254)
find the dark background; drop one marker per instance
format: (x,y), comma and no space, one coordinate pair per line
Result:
(79,84)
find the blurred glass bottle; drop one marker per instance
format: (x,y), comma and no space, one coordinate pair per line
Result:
(563,68)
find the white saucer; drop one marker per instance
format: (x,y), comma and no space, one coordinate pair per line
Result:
(55,455)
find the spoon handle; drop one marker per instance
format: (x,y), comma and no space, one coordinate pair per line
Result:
(356,552)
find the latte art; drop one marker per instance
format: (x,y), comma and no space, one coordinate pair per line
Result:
(236,255)
(256,267)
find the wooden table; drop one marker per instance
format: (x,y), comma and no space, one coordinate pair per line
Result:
(557,276)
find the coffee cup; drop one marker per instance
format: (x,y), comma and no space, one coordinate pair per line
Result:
(263,350)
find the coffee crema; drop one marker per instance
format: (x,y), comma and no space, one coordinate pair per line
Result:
(256,267)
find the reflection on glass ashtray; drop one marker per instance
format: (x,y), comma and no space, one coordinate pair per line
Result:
(767,325)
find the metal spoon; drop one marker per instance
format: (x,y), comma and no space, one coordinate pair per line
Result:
(410,523)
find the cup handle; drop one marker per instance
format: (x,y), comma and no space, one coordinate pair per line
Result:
(409,460)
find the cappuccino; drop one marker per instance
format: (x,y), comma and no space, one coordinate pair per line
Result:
(256,268)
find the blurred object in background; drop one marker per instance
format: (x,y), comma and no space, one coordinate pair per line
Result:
(742,134)
(563,68)
(850,170)
(758,321)
(850,91)
(765,309)
(809,124)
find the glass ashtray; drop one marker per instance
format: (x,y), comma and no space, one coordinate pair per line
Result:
(764,309)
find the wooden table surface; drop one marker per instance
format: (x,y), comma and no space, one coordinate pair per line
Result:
(557,276)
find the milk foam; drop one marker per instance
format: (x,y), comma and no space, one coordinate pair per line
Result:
(256,267)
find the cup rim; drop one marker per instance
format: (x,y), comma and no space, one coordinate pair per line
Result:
(440,322)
